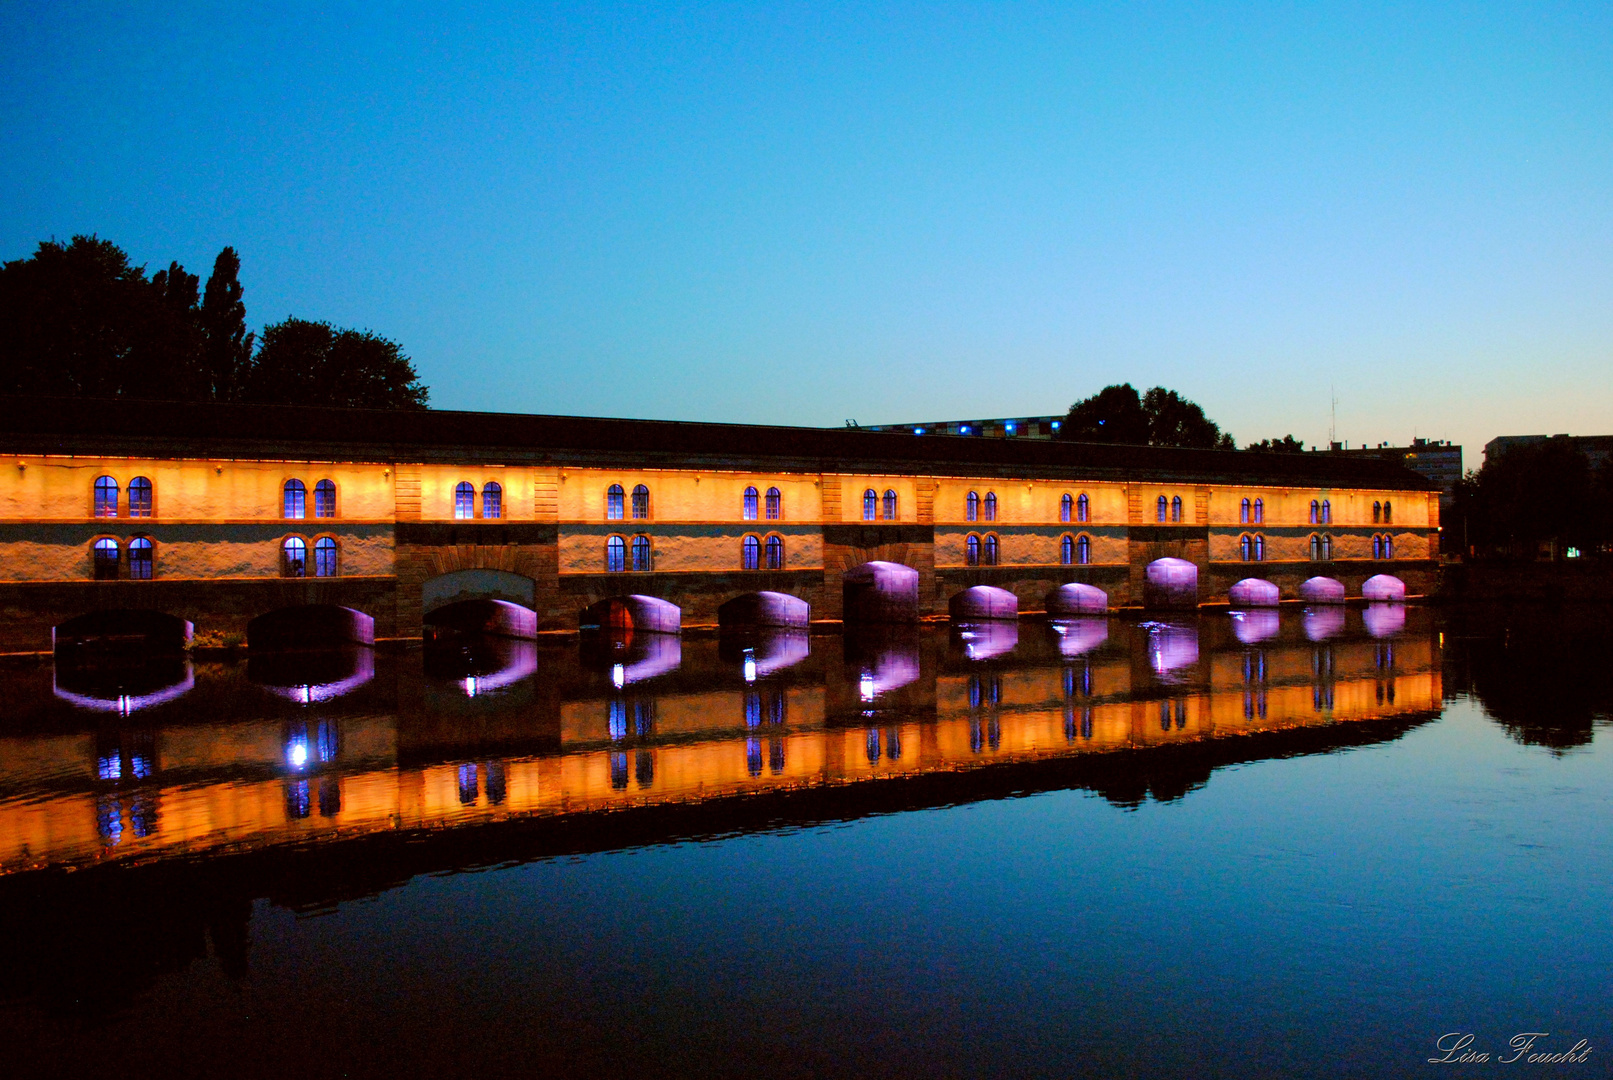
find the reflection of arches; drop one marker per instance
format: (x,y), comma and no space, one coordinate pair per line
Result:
(1172,647)
(1253,627)
(987,639)
(631,659)
(1171,583)
(881,592)
(124,688)
(1383,587)
(311,677)
(1076,598)
(761,651)
(481,665)
(983,602)
(1322,590)
(1323,622)
(883,659)
(310,626)
(1384,619)
(633,614)
(764,609)
(1081,635)
(1254,592)
(120,630)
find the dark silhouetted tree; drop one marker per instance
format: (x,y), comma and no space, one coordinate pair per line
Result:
(1533,494)
(1285,445)
(313,363)
(226,347)
(1161,417)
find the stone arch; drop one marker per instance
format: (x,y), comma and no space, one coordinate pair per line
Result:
(496,618)
(1383,587)
(1171,583)
(1254,592)
(765,609)
(461,586)
(983,602)
(1322,590)
(1077,598)
(119,629)
(880,592)
(632,614)
(310,626)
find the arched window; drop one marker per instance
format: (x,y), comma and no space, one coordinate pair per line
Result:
(641,503)
(464,500)
(106,559)
(1260,511)
(1377,514)
(870,504)
(1316,548)
(1243,512)
(988,550)
(1066,508)
(1083,550)
(106,497)
(1388,546)
(1388,512)
(971,550)
(294,557)
(1067,549)
(615,552)
(971,506)
(139,497)
(1327,548)
(890,505)
(641,552)
(1176,508)
(1246,546)
(752,504)
(140,558)
(1260,548)
(750,553)
(1377,544)
(775,552)
(775,504)
(492,500)
(1327,512)
(295,501)
(1163,509)
(1083,508)
(324,557)
(615,498)
(1316,512)
(325,499)
(991,506)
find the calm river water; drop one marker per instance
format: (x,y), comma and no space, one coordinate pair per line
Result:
(1295,843)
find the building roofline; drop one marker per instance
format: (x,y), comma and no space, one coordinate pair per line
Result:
(126,427)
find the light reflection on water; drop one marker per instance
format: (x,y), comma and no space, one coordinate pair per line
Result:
(1273,914)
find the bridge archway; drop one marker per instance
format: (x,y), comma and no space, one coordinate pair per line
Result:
(119,630)
(632,614)
(479,601)
(1322,590)
(880,592)
(773,609)
(1253,592)
(982,603)
(1383,587)
(1077,598)
(1171,583)
(310,626)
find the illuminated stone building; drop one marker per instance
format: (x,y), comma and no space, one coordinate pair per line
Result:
(136,518)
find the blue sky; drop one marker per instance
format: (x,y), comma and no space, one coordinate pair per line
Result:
(805,214)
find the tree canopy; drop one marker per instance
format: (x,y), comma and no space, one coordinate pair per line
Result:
(78,320)
(1536,493)
(1285,445)
(1160,417)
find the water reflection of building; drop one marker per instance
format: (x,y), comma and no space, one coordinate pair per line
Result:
(709,719)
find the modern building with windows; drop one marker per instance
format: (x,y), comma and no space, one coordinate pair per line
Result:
(386,525)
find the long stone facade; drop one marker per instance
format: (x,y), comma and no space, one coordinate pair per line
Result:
(409,518)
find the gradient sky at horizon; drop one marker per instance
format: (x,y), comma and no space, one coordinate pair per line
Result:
(808,213)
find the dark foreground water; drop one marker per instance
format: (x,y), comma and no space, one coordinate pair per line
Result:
(1301,844)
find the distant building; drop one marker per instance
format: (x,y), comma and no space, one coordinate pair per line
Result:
(1439,461)
(1598,448)
(1015,427)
